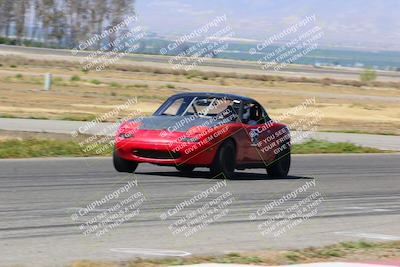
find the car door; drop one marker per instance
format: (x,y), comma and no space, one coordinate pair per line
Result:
(260,136)
(250,137)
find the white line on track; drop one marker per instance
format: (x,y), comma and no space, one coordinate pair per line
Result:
(153,252)
(366,209)
(370,235)
(76,209)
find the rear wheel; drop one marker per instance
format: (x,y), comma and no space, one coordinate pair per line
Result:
(123,165)
(280,167)
(225,160)
(184,168)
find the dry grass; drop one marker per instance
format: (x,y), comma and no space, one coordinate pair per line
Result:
(75,95)
(347,251)
(14,61)
(30,145)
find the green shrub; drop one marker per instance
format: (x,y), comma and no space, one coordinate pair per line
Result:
(96,82)
(75,78)
(320,147)
(78,117)
(368,75)
(139,86)
(7,41)
(115,84)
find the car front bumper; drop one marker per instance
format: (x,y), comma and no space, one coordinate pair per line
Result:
(176,153)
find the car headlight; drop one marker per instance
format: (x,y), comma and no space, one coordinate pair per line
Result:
(126,135)
(189,139)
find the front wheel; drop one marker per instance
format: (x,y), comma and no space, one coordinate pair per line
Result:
(225,160)
(123,165)
(280,167)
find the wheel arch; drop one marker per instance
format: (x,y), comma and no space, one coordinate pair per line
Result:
(230,138)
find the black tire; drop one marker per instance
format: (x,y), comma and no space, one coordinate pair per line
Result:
(185,168)
(280,167)
(225,160)
(122,165)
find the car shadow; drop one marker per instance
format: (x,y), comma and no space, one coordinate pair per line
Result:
(260,176)
(238,175)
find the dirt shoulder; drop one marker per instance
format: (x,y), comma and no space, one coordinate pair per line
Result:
(348,251)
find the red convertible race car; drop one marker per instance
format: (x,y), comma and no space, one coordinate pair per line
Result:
(223,132)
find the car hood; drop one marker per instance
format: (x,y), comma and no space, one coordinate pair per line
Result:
(177,123)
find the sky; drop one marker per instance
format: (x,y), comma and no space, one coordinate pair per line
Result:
(369,24)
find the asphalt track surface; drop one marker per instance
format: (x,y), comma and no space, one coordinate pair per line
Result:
(38,198)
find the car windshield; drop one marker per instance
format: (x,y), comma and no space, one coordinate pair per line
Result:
(206,107)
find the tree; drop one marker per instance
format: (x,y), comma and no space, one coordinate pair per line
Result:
(35,5)
(63,21)
(98,10)
(119,9)
(73,12)
(2,21)
(45,9)
(20,12)
(7,16)
(58,23)
(368,75)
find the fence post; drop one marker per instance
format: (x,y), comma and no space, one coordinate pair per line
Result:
(47,81)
